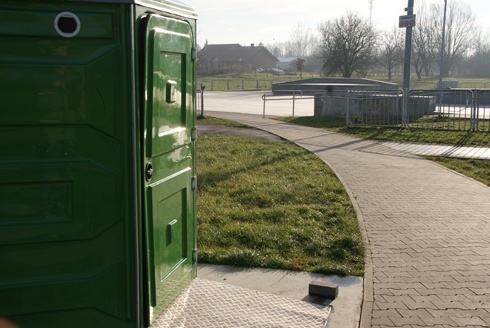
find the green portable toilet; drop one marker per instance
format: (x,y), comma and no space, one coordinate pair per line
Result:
(97,160)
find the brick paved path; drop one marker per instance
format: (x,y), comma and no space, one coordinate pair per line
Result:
(439,150)
(427,230)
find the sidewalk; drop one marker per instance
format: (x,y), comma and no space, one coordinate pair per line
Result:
(440,150)
(250,102)
(426,230)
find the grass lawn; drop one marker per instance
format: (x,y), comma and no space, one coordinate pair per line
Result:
(209,120)
(273,205)
(429,82)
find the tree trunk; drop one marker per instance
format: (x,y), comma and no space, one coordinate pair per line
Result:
(419,73)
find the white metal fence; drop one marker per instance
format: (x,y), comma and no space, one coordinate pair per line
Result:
(374,108)
(445,109)
(293,98)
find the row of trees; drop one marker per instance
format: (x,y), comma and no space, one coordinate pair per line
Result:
(302,43)
(351,45)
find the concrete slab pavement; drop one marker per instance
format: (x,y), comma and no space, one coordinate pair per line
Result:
(345,308)
(209,304)
(250,102)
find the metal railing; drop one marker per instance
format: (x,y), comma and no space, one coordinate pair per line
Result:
(295,96)
(200,103)
(443,109)
(481,104)
(236,84)
(374,108)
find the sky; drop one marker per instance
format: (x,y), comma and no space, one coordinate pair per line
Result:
(272,21)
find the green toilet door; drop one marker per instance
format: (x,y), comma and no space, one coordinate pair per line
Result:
(169,125)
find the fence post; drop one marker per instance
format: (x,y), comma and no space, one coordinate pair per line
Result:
(198,102)
(212,85)
(440,111)
(347,109)
(263,112)
(202,100)
(227,84)
(257,84)
(294,99)
(243,84)
(324,109)
(405,108)
(397,109)
(474,110)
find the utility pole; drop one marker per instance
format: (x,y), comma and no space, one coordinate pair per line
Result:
(371,12)
(406,67)
(441,72)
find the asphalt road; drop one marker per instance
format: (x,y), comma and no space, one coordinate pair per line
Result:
(250,102)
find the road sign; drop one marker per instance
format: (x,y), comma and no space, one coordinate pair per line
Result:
(406,21)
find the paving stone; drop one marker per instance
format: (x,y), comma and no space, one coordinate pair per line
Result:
(407,321)
(421,313)
(394,305)
(391,313)
(431,321)
(382,321)
(473,321)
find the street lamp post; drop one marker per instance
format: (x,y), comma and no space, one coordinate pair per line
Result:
(406,67)
(441,71)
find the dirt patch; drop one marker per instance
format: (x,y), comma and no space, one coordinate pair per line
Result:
(237,132)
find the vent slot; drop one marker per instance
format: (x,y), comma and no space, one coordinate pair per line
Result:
(67,24)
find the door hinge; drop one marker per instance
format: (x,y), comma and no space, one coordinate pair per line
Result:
(194,134)
(194,183)
(194,256)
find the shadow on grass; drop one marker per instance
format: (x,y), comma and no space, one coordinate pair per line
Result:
(396,134)
(209,120)
(317,121)
(212,179)
(472,136)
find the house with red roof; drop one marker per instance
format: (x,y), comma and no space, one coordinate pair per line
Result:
(234,58)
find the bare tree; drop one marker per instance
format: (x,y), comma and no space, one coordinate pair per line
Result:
(424,43)
(347,45)
(391,52)
(275,49)
(300,65)
(478,63)
(461,32)
(301,43)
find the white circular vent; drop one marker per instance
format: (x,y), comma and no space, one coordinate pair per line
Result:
(67,24)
